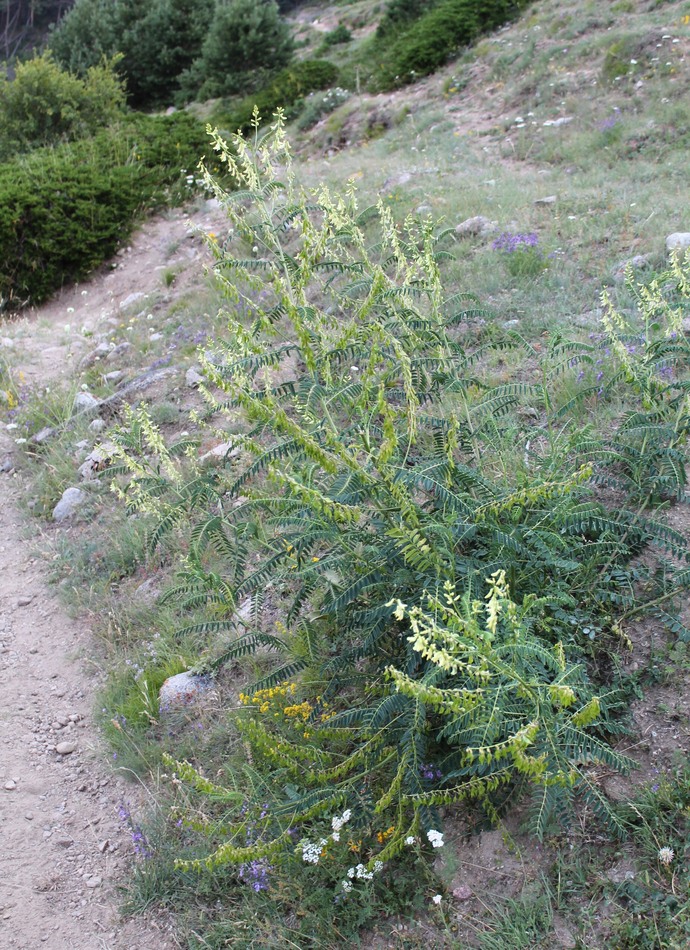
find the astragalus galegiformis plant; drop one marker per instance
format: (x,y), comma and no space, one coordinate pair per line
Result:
(367,508)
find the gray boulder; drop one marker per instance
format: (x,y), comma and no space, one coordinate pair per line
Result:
(70,503)
(182,691)
(679,241)
(475,227)
(85,402)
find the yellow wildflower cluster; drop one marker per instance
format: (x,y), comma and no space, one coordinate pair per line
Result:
(383,836)
(277,701)
(263,696)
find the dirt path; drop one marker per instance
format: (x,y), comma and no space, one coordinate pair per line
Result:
(64,845)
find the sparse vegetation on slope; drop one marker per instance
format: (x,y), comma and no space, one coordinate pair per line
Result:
(551,442)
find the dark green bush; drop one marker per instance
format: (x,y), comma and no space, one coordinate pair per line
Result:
(434,37)
(335,37)
(64,210)
(158,41)
(246,41)
(400,14)
(289,87)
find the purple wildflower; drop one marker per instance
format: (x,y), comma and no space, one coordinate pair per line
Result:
(512,242)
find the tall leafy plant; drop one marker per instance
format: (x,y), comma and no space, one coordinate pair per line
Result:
(369,509)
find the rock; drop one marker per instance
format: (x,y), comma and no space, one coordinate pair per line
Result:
(130,299)
(679,241)
(621,872)
(63,842)
(193,377)
(10,786)
(119,350)
(65,748)
(563,935)
(101,351)
(184,690)
(85,402)
(7,466)
(24,601)
(94,881)
(637,262)
(155,337)
(462,893)
(548,200)
(213,204)
(148,592)
(423,209)
(71,501)
(475,227)
(556,123)
(98,459)
(97,425)
(47,433)
(221,452)
(103,846)
(114,376)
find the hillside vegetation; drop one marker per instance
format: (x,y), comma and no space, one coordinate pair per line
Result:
(416,519)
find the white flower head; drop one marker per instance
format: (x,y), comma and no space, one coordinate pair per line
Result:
(335,836)
(346,886)
(410,840)
(666,855)
(437,898)
(435,838)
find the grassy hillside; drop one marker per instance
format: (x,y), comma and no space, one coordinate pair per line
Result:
(548,439)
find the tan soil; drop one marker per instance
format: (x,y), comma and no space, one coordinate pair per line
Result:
(65,849)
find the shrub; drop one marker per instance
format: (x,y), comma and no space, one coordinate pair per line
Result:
(436,35)
(44,104)
(64,210)
(321,104)
(158,41)
(89,31)
(372,507)
(285,91)
(246,41)
(335,37)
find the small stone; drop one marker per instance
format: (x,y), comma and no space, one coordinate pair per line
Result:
(155,337)
(475,227)
(220,453)
(65,748)
(678,241)
(10,785)
(148,592)
(193,377)
(97,425)
(423,209)
(64,842)
(462,893)
(183,690)
(25,600)
(103,846)
(557,123)
(72,499)
(85,402)
(43,435)
(548,200)
(94,881)
(114,376)
(7,466)
(119,350)
(130,299)
(28,816)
